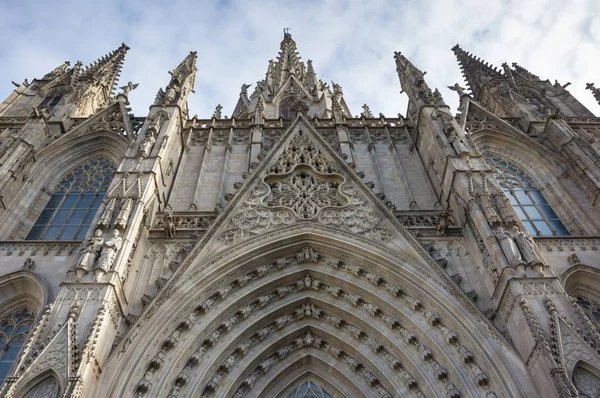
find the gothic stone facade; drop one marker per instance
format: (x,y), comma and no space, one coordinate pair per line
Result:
(294,247)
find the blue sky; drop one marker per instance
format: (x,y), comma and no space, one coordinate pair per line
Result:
(350,42)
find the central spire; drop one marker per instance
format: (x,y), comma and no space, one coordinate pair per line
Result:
(289,86)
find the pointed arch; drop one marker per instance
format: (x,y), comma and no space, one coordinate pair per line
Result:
(586,379)
(53,163)
(493,136)
(310,369)
(23,294)
(23,289)
(48,384)
(395,318)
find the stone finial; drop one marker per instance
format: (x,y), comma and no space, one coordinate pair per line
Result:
(217,112)
(366,111)
(595,91)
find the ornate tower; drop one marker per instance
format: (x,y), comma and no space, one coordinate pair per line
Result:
(293,247)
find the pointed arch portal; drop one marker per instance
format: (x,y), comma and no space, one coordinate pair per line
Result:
(309,302)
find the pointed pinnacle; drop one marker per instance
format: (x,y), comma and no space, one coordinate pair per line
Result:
(476,72)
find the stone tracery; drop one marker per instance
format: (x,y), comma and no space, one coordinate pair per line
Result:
(303,184)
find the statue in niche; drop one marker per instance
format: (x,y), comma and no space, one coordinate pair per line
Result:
(509,247)
(525,247)
(147,144)
(124,213)
(170,228)
(500,201)
(107,214)
(170,95)
(443,222)
(89,254)
(109,251)
(457,143)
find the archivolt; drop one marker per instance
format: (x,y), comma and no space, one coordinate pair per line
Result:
(259,307)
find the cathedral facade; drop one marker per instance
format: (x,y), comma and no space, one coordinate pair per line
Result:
(295,250)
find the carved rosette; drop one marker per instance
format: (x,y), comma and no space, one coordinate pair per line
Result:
(303,185)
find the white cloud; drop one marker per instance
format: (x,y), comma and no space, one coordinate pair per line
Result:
(350,42)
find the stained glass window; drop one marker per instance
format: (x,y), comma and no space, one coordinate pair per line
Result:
(591,308)
(13,330)
(529,203)
(71,209)
(308,389)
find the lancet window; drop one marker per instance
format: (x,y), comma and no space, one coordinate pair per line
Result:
(13,330)
(308,389)
(527,200)
(71,209)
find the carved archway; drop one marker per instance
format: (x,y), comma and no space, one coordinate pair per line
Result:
(586,379)
(389,322)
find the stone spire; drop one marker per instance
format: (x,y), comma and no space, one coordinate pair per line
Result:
(476,72)
(413,82)
(107,69)
(58,71)
(182,82)
(289,85)
(595,91)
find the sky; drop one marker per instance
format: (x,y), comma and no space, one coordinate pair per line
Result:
(351,42)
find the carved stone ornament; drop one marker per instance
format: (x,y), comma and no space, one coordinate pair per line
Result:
(303,185)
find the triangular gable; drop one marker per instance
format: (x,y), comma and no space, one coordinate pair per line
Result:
(573,347)
(113,118)
(302,182)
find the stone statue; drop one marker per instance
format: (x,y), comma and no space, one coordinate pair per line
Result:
(170,95)
(500,201)
(89,254)
(244,90)
(124,213)
(170,228)
(107,214)
(488,208)
(459,90)
(509,247)
(443,222)
(525,247)
(109,251)
(128,88)
(458,145)
(147,144)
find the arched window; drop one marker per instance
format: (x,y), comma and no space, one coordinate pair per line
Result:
(586,382)
(527,200)
(308,389)
(47,388)
(71,209)
(13,330)
(289,107)
(591,309)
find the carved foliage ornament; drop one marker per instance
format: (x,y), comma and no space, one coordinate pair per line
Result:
(304,185)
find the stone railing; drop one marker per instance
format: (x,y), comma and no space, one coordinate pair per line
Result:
(188,224)
(38,248)
(567,243)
